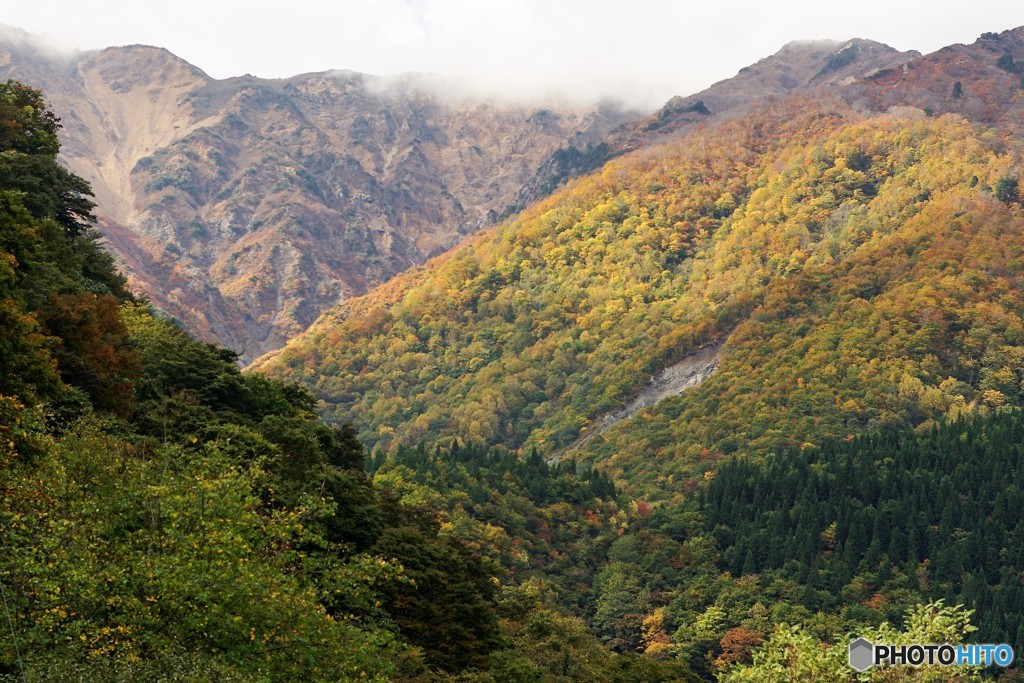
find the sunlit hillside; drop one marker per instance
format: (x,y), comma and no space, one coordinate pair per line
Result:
(862,269)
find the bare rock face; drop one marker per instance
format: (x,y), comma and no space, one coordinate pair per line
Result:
(245,207)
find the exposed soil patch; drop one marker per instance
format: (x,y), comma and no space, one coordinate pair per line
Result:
(673,380)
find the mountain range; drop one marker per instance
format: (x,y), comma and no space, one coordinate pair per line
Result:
(730,385)
(245,207)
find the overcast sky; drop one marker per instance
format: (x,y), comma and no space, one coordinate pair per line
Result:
(643,50)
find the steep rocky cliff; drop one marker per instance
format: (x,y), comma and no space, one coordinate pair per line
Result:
(245,207)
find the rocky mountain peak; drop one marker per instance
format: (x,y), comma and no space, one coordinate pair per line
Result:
(133,66)
(245,206)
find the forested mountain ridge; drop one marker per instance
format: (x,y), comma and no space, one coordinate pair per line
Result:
(776,563)
(791,230)
(245,207)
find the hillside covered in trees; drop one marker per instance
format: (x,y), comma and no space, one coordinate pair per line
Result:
(164,517)
(862,268)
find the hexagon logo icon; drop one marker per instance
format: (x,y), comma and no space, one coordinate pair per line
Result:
(862,654)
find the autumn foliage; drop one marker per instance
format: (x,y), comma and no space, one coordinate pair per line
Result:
(861,267)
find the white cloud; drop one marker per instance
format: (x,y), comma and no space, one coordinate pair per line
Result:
(646,50)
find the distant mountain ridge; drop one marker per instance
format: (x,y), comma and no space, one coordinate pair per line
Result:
(865,74)
(799,67)
(245,207)
(981,80)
